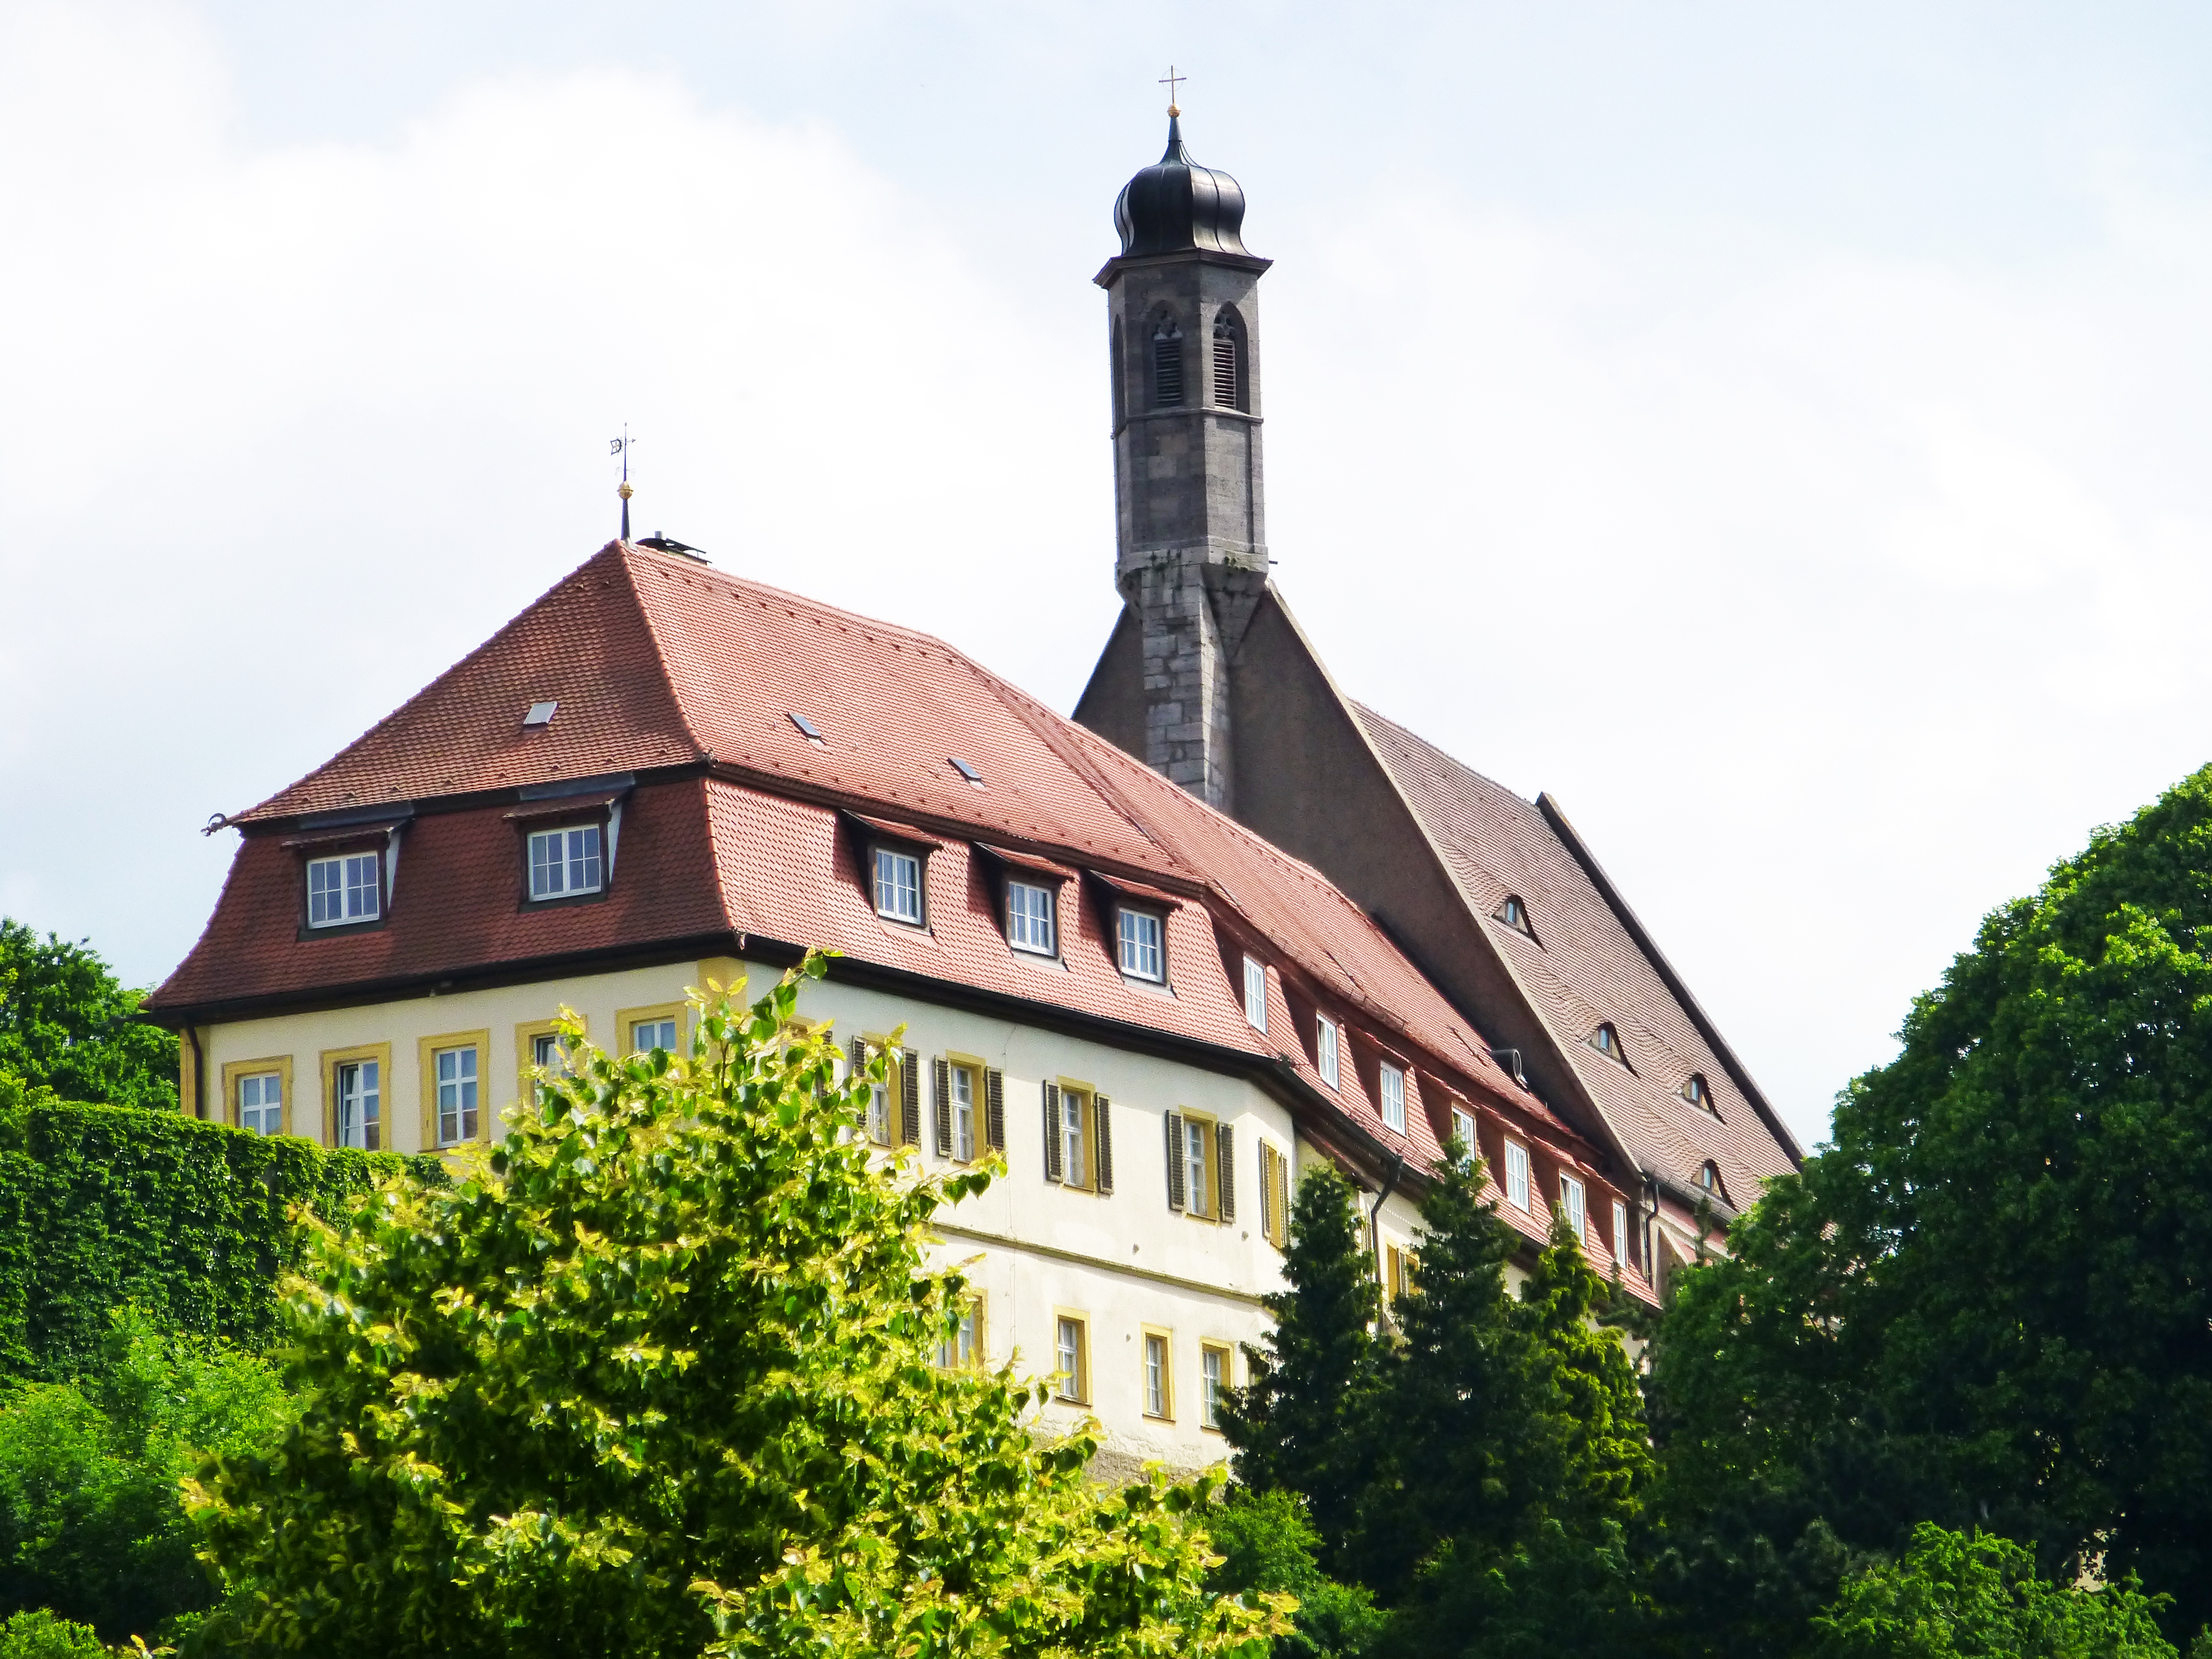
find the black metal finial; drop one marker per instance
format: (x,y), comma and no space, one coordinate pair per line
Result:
(620,447)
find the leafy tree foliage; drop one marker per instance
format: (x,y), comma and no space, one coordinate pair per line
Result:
(68,1027)
(1954,1596)
(1268,1544)
(658,1379)
(1302,1422)
(37,1634)
(1987,1303)
(90,1523)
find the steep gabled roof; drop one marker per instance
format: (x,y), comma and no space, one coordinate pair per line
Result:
(680,681)
(1589,962)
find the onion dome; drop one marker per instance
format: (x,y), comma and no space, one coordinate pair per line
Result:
(1174,206)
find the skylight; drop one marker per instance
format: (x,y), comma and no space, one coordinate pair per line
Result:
(966,770)
(540,713)
(806,728)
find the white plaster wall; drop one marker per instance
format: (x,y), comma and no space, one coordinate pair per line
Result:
(1126,1261)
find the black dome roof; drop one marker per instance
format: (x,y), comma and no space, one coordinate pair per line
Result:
(1174,206)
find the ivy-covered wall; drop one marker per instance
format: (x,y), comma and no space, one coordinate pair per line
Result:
(104,1205)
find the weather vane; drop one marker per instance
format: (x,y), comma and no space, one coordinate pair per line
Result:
(1168,81)
(620,447)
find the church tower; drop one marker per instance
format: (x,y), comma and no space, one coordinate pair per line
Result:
(1184,332)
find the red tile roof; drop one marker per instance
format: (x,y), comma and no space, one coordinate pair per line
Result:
(658,663)
(1584,966)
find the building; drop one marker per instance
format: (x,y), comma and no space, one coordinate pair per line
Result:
(658,774)
(1208,679)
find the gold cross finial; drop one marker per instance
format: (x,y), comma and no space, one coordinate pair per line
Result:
(1168,81)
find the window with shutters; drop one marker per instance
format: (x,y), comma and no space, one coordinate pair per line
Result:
(1516,1174)
(1070,1355)
(1159,1380)
(1231,370)
(1393,1096)
(1167,364)
(1216,1377)
(894,1112)
(1079,1139)
(966,1126)
(1201,1166)
(1274,1195)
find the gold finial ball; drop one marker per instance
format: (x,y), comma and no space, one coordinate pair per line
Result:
(1173,112)
(625,492)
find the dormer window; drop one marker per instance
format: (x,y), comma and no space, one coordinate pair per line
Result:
(1142,948)
(1607,1041)
(1709,1180)
(1513,914)
(1031,918)
(568,861)
(898,885)
(1325,1049)
(1698,1095)
(1394,1097)
(345,889)
(1256,995)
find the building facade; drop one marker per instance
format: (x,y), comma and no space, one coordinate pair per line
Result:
(657,776)
(1208,678)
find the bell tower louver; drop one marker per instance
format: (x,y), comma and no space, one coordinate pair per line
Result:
(1184,321)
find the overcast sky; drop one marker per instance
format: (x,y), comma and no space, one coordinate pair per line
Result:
(1778,431)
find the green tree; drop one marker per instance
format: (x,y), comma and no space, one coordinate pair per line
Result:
(66,1025)
(1266,1543)
(39,1635)
(1987,1302)
(90,1522)
(1301,1423)
(1959,1596)
(658,1379)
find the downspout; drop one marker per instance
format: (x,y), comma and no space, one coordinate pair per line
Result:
(199,1072)
(1397,1168)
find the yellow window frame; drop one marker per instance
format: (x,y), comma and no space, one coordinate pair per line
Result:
(525,1043)
(626,1019)
(1211,1213)
(236,1071)
(1228,1352)
(979,1104)
(427,1050)
(979,1357)
(328,1063)
(894,1053)
(1148,1335)
(1080,1381)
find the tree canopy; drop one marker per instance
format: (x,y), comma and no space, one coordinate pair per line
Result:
(67,1026)
(659,1378)
(1989,1303)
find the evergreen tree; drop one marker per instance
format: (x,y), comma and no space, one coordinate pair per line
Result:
(1301,1423)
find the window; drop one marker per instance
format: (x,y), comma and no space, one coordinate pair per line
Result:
(1074,1138)
(1325,1050)
(1228,354)
(1167,364)
(1157,1398)
(962,1347)
(1256,995)
(1071,1357)
(1463,1122)
(1079,1141)
(1029,919)
(344,889)
(1213,1373)
(1709,1178)
(1397,1270)
(261,1103)
(546,1052)
(565,862)
(1514,914)
(1571,1200)
(1201,1166)
(1141,955)
(1274,1195)
(456,1075)
(1516,1174)
(359,1105)
(647,1035)
(898,885)
(1394,1097)
(1696,1093)
(1605,1042)
(1197,1159)
(1620,1231)
(962,1082)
